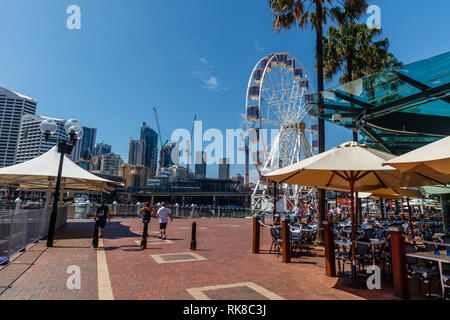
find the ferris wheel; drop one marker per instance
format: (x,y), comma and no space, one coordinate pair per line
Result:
(280,130)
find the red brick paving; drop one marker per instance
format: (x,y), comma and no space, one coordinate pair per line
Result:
(236,293)
(134,274)
(47,278)
(27,257)
(226,244)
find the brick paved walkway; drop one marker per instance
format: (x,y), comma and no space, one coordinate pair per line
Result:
(222,267)
(47,277)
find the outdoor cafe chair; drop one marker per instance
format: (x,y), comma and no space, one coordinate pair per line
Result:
(424,275)
(298,241)
(427,235)
(446,278)
(343,254)
(345,257)
(277,240)
(295,238)
(308,239)
(445,239)
(362,254)
(384,256)
(379,232)
(369,233)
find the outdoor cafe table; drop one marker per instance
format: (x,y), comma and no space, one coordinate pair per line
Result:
(429,255)
(438,236)
(297,232)
(343,243)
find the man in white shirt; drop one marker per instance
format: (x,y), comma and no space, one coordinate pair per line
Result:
(163,215)
(339,212)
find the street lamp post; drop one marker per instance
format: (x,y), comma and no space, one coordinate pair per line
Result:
(75,132)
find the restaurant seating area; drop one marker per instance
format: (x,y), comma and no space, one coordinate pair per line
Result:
(406,249)
(373,247)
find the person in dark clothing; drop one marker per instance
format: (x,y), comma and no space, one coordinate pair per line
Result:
(100,218)
(101,215)
(147,212)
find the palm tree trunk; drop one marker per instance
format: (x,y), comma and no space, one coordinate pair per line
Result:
(319,46)
(355,138)
(349,69)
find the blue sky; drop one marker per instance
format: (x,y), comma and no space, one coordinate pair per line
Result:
(185,57)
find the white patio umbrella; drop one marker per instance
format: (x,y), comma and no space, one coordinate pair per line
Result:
(39,174)
(350,166)
(397,193)
(432,160)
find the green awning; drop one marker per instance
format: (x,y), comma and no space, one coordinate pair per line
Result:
(398,110)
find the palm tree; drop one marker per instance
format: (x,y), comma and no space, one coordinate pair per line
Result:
(352,49)
(315,13)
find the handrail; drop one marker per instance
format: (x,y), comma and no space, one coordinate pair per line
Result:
(264,225)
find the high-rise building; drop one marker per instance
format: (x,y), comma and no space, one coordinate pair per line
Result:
(169,155)
(111,164)
(13,106)
(178,173)
(224,169)
(32,142)
(136,154)
(95,164)
(175,173)
(134,176)
(101,149)
(200,165)
(240,179)
(151,147)
(84,148)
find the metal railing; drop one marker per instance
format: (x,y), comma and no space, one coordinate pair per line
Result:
(182,212)
(18,228)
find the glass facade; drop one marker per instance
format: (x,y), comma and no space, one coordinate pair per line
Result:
(397,110)
(151,150)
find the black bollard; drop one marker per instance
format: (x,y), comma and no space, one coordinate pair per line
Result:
(95,239)
(144,236)
(194,236)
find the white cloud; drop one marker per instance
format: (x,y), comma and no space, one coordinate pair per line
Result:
(258,46)
(212,83)
(209,82)
(203,60)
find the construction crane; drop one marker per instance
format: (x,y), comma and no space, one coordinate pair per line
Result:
(159,129)
(189,148)
(247,160)
(160,138)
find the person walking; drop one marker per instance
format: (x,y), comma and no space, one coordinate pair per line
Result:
(100,218)
(147,212)
(163,215)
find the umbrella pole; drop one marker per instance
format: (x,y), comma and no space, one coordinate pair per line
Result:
(410,217)
(353,281)
(353,217)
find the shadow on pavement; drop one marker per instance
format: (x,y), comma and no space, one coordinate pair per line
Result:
(76,230)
